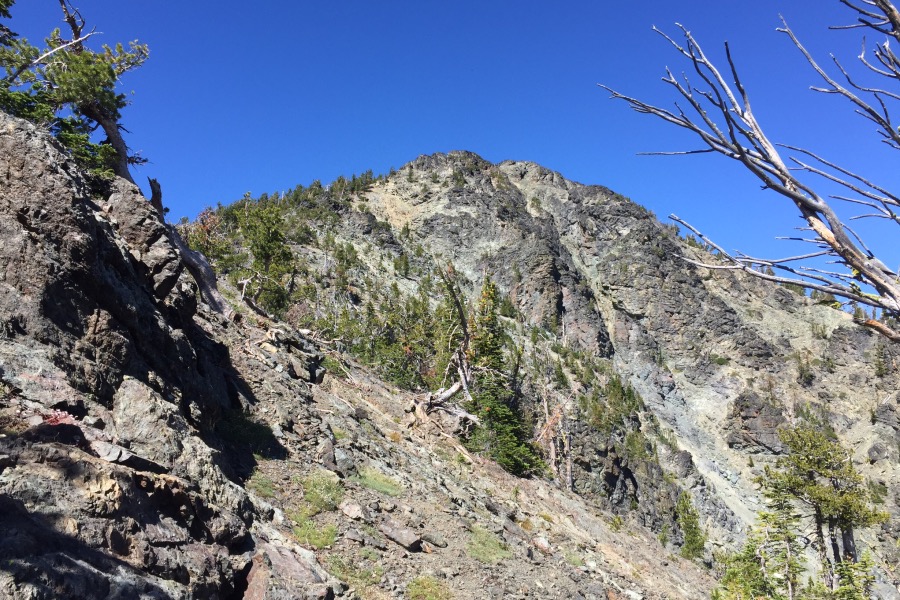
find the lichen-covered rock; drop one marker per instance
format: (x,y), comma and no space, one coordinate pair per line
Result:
(114,388)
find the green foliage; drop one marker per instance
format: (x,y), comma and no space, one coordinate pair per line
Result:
(744,578)
(689,521)
(613,407)
(795,288)
(71,89)
(378,481)
(879,362)
(427,588)
(310,534)
(507,308)
(484,547)
(208,234)
(805,374)
(502,434)
(322,491)
(75,135)
(663,536)
(355,574)
(406,331)
(401,265)
(817,475)
(261,485)
(637,447)
(877,492)
(855,579)
(719,360)
(616,523)
(263,229)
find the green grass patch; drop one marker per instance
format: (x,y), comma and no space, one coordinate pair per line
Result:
(333,366)
(616,523)
(310,534)
(486,548)
(427,588)
(322,491)
(356,575)
(261,485)
(378,481)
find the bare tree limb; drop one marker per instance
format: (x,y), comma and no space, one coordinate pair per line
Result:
(720,114)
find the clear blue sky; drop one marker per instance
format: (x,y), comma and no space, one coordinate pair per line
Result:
(262,96)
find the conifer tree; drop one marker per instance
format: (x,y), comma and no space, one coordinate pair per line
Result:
(502,434)
(816,475)
(819,473)
(262,226)
(689,521)
(771,563)
(71,89)
(855,579)
(780,551)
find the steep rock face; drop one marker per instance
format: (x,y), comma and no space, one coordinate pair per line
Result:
(112,476)
(721,359)
(150,448)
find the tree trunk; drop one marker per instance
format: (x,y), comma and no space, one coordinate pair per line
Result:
(835,547)
(113,136)
(195,262)
(849,542)
(827,567)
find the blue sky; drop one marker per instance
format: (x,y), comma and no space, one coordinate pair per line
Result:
(262,96)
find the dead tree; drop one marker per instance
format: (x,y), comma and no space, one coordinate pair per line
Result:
(720,114)
(459,362)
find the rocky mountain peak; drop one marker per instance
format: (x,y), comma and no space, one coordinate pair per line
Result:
(151,447)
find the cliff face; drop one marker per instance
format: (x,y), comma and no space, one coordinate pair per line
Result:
(722,360)
(115,482)
(153,448)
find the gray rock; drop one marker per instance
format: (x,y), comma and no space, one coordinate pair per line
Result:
(400,534)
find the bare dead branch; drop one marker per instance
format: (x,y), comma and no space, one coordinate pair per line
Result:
(808,279)
(864,108)
(721,116)
(886,197)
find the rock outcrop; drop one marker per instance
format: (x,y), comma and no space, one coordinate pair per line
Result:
(116,479)
(151,447)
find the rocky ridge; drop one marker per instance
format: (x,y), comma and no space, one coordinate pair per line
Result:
(154,448)
(720,359)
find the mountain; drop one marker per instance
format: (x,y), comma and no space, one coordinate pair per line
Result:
(155,447)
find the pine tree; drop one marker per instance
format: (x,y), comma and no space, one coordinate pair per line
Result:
(855,579)
(819,473)
(744,578)
(71,89)
(263,228)
(689,521)
(448,336)
(502,434)
(779,550)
